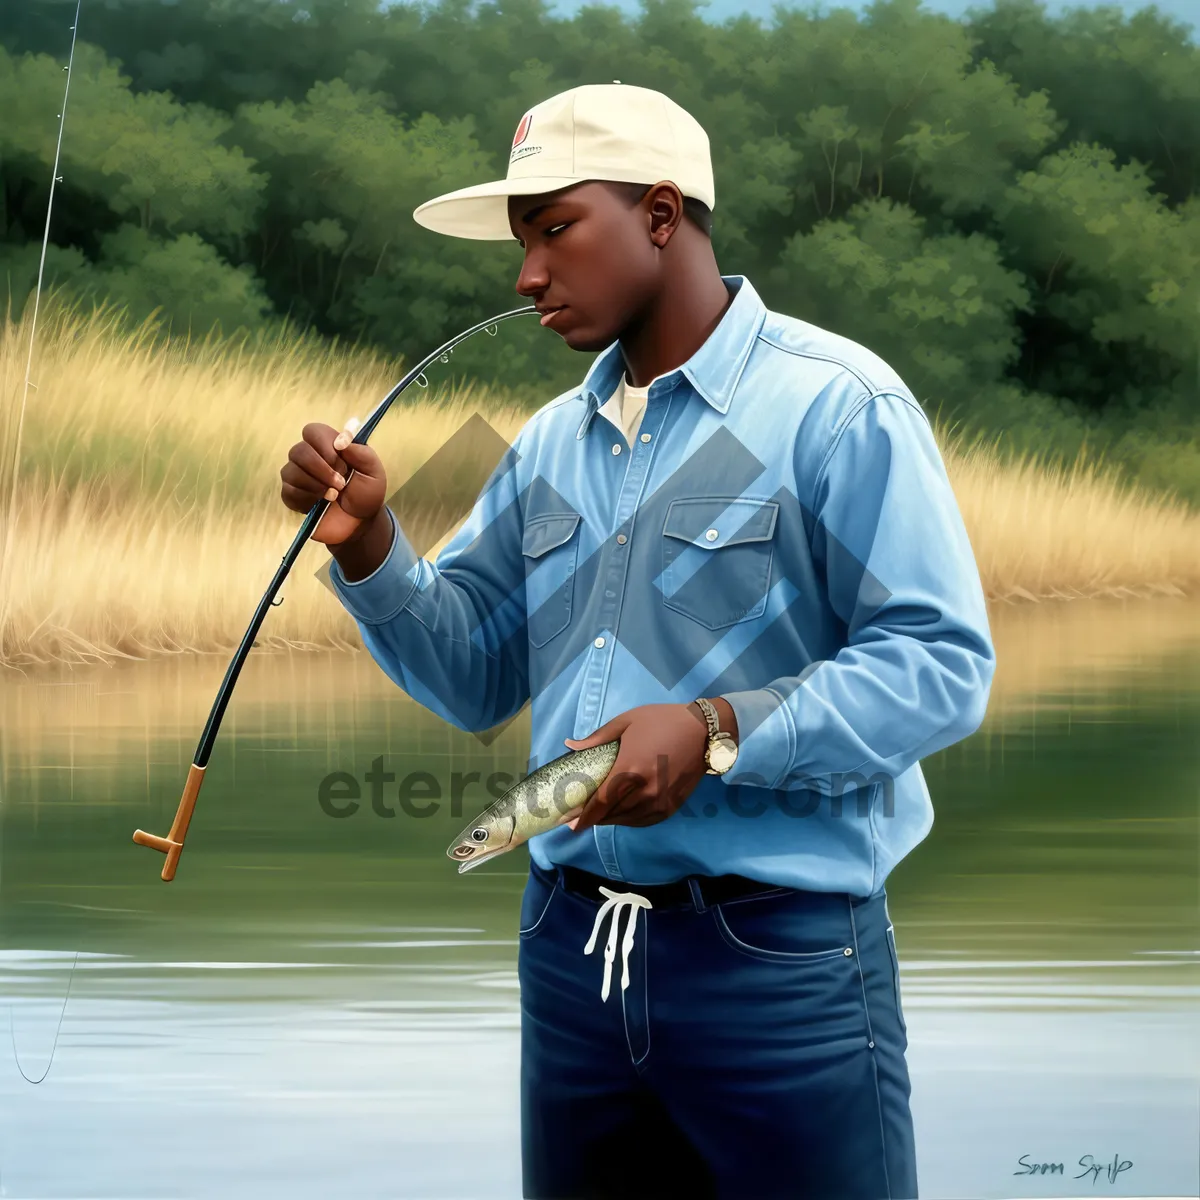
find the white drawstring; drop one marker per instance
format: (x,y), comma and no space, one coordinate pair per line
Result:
(617,902)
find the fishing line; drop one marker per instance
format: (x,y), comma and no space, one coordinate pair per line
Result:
(55,177)
(13,1037)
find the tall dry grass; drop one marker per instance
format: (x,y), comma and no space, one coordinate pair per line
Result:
(147,518)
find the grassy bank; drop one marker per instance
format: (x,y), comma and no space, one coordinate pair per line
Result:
(146,516)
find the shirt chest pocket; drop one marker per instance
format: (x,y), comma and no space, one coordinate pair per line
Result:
(717,554)
(551,549)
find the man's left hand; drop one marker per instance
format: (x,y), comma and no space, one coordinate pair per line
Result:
(660,761)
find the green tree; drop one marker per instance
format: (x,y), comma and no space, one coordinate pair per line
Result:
(938,307)
(1117,272)
(1127,82)
(146,156)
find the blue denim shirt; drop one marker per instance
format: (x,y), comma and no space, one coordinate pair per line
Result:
(781,533)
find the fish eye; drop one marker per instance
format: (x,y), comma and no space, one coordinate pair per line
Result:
(479,835)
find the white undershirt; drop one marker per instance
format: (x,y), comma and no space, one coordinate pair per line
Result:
(626,406)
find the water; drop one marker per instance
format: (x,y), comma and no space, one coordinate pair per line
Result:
(321,1005)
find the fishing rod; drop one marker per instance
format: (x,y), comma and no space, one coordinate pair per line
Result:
(172,844)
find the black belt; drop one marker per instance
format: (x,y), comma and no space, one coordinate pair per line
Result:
(714,889)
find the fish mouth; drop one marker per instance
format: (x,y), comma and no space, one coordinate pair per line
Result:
(471,863)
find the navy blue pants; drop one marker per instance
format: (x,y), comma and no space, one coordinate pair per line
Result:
(757,1051)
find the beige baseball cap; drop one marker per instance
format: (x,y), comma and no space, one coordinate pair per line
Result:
(610,131)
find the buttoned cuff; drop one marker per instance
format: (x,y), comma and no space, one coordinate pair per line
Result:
(383,593)
(766,743)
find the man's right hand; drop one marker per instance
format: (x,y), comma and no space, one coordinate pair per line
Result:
(319,467)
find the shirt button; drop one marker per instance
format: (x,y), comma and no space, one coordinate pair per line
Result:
(599,643)
(621,539)
(711,535)
(645,437)
(616,447)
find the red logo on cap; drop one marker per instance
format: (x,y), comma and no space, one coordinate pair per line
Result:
(522,130)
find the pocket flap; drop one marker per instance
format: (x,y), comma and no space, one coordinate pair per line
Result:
(711,522)
(546,532)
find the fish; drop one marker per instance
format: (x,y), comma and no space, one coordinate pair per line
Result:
(543,800)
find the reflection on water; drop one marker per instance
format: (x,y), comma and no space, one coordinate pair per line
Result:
(322,1006)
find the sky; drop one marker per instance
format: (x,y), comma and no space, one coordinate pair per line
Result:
(717,11)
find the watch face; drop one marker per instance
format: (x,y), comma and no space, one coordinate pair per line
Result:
(721,755)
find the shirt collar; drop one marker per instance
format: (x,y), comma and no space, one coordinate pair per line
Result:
(714,370)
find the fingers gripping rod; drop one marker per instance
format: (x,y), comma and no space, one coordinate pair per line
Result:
(172,844)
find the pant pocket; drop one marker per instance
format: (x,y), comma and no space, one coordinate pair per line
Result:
(787,925)
(769,936)
(895,960)
(535,904)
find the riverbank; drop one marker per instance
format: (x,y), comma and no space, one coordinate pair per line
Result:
(146,518)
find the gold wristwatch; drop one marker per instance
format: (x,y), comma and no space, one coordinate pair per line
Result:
(721,752)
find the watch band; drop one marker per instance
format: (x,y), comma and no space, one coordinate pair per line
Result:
(710,716)
(719,741)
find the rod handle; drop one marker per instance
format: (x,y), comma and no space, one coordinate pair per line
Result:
(172,844)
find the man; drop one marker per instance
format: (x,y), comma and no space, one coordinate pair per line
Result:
(734,548)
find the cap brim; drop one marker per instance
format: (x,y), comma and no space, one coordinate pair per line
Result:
(481,212)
